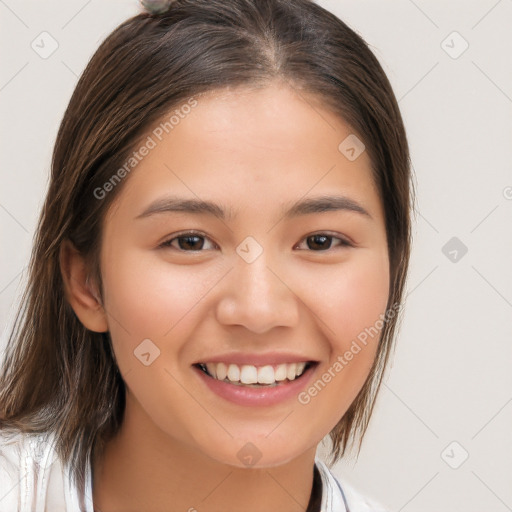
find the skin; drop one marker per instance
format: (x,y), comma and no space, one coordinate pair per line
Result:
(254,152)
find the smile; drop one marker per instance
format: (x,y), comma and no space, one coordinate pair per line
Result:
(254,376)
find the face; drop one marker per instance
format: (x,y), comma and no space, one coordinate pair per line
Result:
(237,293)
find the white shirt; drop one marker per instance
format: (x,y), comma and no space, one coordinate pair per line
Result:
(33,479)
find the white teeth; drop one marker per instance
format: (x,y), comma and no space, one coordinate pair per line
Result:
(249,374)
(222,371)
(233,373)
(266,375)
(211,368)
(290,371)
(280,372)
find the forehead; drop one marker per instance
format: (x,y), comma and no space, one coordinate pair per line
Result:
(241,144)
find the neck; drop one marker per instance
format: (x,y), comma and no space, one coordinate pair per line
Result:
(144,468)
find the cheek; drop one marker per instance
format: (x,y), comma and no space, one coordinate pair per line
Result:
(350,298)
(146,297)
(350,306)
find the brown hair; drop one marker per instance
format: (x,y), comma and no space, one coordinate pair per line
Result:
(58,376)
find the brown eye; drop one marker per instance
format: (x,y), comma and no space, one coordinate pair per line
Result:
(187,242)
(320,242)
(323,241)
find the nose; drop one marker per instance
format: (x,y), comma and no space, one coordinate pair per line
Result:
(257,296)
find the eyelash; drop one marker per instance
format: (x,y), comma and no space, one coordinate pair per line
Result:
(167,243)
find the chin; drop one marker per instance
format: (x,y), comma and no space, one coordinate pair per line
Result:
(255,453)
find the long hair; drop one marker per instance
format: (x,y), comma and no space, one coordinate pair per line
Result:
(60,377)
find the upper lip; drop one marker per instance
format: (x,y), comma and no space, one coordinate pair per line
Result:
(257,359)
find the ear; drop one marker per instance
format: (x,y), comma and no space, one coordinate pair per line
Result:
(79,293)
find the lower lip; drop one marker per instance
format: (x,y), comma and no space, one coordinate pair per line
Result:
(264,396)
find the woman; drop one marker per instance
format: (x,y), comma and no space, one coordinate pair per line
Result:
(218,268)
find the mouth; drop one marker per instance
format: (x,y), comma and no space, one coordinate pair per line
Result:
(253,376)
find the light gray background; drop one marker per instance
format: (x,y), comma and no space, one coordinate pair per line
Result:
(451,377)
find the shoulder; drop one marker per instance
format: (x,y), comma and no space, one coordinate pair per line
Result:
(359,502)
(26,462)
(17,447)
(11,456)
(341,496)
(11,449)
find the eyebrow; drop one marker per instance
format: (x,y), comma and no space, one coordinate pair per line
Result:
(325,203)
